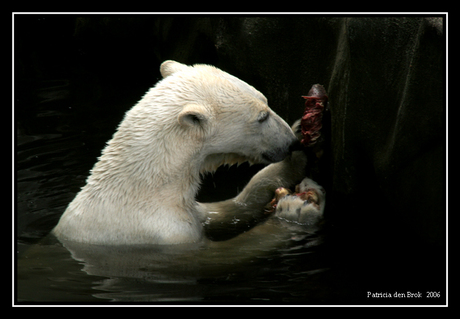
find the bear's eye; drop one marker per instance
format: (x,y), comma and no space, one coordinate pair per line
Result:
(263,116)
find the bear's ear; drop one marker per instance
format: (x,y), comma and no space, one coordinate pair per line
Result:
(169,67)
(193,115)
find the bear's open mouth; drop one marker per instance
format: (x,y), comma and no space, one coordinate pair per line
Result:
(214,161)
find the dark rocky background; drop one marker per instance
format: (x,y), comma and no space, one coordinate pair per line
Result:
(385,170)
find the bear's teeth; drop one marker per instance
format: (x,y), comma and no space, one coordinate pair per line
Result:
(214,161)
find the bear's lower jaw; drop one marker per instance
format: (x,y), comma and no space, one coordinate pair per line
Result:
(274,157)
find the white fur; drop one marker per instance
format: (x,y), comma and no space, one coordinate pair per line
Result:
(143,188)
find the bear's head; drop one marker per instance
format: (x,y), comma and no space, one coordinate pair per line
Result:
(226,119)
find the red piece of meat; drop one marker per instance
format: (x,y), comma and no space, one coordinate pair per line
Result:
(311,123)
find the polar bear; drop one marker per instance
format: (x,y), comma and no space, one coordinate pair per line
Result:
(142,189)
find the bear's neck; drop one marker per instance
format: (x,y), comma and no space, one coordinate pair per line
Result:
(151,177)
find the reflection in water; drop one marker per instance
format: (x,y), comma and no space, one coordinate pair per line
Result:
(204,273)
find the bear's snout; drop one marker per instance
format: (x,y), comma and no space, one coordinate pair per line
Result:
(280,153)
(274,156)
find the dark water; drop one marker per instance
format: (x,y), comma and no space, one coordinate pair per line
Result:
(48,272)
